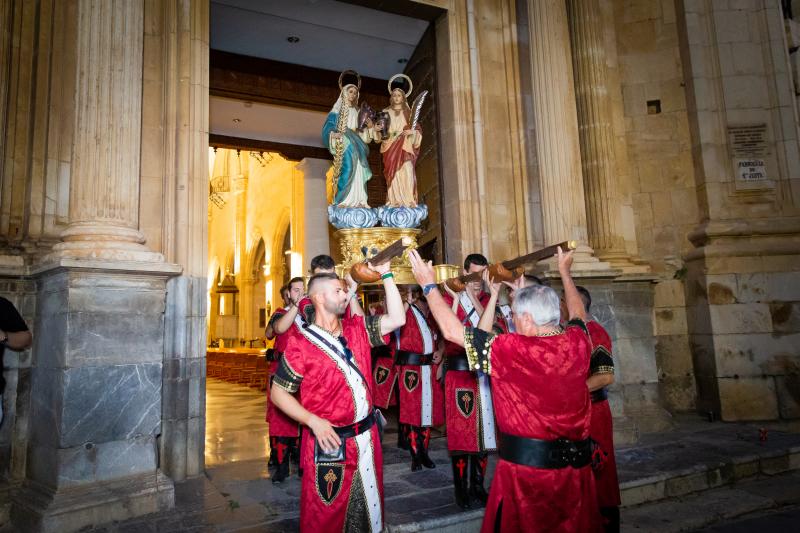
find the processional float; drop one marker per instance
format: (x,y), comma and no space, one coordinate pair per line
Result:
(374,235)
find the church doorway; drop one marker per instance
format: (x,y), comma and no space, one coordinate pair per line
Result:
(274,68)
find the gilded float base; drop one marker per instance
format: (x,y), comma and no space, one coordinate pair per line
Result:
(358,244)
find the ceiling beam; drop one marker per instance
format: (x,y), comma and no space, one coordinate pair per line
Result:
(274,82)
(292,152)
(406,8)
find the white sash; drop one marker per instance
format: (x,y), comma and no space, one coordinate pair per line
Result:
(506,310)
(366,455)
(469,309)
(424,330)
(487,409)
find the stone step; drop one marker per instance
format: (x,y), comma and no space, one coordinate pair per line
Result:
(704,476)
(716,506)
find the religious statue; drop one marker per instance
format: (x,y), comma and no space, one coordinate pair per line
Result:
(400,144)
(348,146)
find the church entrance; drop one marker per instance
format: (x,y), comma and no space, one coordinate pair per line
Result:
(274,68)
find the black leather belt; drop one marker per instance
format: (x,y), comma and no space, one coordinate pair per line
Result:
(363,425)
(458,362)
(599,395)
(559,453)
(410,358)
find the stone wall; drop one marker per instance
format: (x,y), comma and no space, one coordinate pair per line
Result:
(659,148)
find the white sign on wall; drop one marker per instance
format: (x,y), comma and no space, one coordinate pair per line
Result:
(751,169)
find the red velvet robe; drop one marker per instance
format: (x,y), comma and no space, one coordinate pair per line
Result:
(351,492)
(602,430)
(539,387)
(280,425)
(469,417)
(385,377)
(421,396)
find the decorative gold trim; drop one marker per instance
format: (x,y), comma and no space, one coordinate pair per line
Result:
(603,369)
(343,467)
(288,386)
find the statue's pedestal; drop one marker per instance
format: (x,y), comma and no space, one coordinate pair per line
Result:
(358,244)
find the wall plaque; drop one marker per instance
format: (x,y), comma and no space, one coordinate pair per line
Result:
(750,151)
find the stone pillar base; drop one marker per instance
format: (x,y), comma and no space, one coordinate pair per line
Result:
(625,431)
(41,510)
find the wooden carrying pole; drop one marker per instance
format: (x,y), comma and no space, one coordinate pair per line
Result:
(362,273)
(511,269)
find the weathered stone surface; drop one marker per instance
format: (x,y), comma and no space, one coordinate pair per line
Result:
(110,403)
(747,398)
(92,463)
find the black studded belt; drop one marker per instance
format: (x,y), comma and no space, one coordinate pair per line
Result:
(410,358)
(458,362)
(559,453)
(348,432)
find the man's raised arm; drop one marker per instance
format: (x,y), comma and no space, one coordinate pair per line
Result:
(575,306)
(448,322)
(283,323)
(395,316)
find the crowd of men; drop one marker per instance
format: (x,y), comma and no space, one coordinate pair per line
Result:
(525,379)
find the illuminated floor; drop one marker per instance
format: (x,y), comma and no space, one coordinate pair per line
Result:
(236,429)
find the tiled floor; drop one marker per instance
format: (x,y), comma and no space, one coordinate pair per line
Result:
(236,429)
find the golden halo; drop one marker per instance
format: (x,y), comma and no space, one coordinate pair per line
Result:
(410,84)
(348,71)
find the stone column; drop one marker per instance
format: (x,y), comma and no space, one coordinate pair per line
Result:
(595,129)
(555,119)
(104,186)
(99,348)
(315,220)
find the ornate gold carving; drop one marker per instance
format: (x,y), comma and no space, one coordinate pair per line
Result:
(352,243)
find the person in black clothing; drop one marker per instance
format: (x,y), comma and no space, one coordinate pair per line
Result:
(14,334)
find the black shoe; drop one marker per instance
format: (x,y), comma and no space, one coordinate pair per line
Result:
(477,472)
(460,465)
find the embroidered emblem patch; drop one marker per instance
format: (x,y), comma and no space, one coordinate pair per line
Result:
(465,401)
(410,380)
(381,375)
(329,481)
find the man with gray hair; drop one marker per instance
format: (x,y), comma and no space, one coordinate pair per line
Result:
(543,480)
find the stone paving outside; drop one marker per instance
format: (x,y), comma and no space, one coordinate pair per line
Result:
(239,496)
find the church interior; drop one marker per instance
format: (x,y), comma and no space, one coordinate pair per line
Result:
(163,174)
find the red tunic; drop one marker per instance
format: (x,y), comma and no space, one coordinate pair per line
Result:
(421,396)
(468,403)
(539,387)
(602,429)
(280,425)
(385,379)
(351,491)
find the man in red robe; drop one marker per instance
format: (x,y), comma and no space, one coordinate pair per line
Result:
(302,306)
(468,398)
(284,432)
(543,480)
(601,375)
(328,362)
(421,396)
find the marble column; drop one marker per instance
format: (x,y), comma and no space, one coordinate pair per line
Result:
(598,157)
(556,125)
(104,182)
